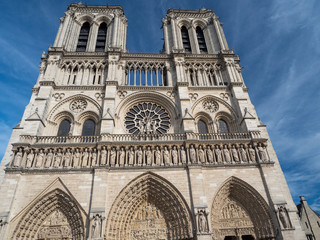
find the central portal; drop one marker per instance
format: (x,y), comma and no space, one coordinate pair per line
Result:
(148,223)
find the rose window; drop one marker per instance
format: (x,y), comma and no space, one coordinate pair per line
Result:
(78,105)
(147,118)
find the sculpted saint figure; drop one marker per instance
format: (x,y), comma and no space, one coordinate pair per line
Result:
(192,154)
(226,154)
(158,156)
(252,154)
(166,156)
(235,154)
(209,154)
(18,158)
(183,155)
(243,154)
(40,159)
(140,156)
(30,159)
(201,155)
(76,158)
(262,153)
(122,156)
(85,158)
(96,227)
(174,154)
(149,156)
(49,159)
(94,157)
(218,154)
(284,218)
(113,155)
(131,156)
(103,156)
(202,222)
(67,158)
(58,158)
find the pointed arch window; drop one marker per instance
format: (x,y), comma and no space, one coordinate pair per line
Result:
(202,127)
(83,37)
(223,126)
(201,40)
(64,128)
(89,128)
(185,39)
(101,38)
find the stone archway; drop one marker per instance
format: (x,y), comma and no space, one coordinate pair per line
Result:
(240,212)
(55,216)
(149,208)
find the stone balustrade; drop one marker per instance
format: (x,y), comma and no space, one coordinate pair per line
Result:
(127,150)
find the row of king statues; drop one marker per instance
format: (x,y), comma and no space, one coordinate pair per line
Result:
(139,156)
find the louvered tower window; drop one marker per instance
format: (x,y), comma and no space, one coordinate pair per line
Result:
(185,39)
(83,37)
(101,38)
(201,40)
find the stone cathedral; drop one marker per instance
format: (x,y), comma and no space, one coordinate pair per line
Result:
(132,146)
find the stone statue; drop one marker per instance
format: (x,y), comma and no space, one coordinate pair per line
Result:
(210,154)
(58,158)
(262,153)
(158,156)
(76,158)
(202,222)
(18,158)
(131,157)
(192,154)
(183,155)
(49,159)
(30,159)
(94,157)
(226,153)
(40,159)
(149,156)
(243,154)
(122,156)
(113,155)
(166,156)
(252,154)
(85,158)
(218,154)
(96,227)
(235,154)
(139,156)
(67,158)
(103,156)
(174,154)
(284,218)
(201,155)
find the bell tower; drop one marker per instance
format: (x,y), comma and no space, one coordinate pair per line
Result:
(116,145)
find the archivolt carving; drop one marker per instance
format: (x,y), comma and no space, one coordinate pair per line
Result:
(150,207)
(55,206)
(238,205)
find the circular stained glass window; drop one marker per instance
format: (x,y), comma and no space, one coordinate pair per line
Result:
(147,118)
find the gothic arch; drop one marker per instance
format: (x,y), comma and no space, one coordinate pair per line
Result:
(199,22)
(255,210)
(100,18)
(149,189)
(56,200)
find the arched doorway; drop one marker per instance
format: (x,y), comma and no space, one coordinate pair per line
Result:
(240,213)
(55,216)
(149,208)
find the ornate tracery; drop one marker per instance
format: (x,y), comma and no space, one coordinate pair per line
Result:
(150,207)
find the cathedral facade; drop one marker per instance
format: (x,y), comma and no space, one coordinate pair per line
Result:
(129,146)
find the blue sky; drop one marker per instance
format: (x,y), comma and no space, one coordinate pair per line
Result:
(279,46)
